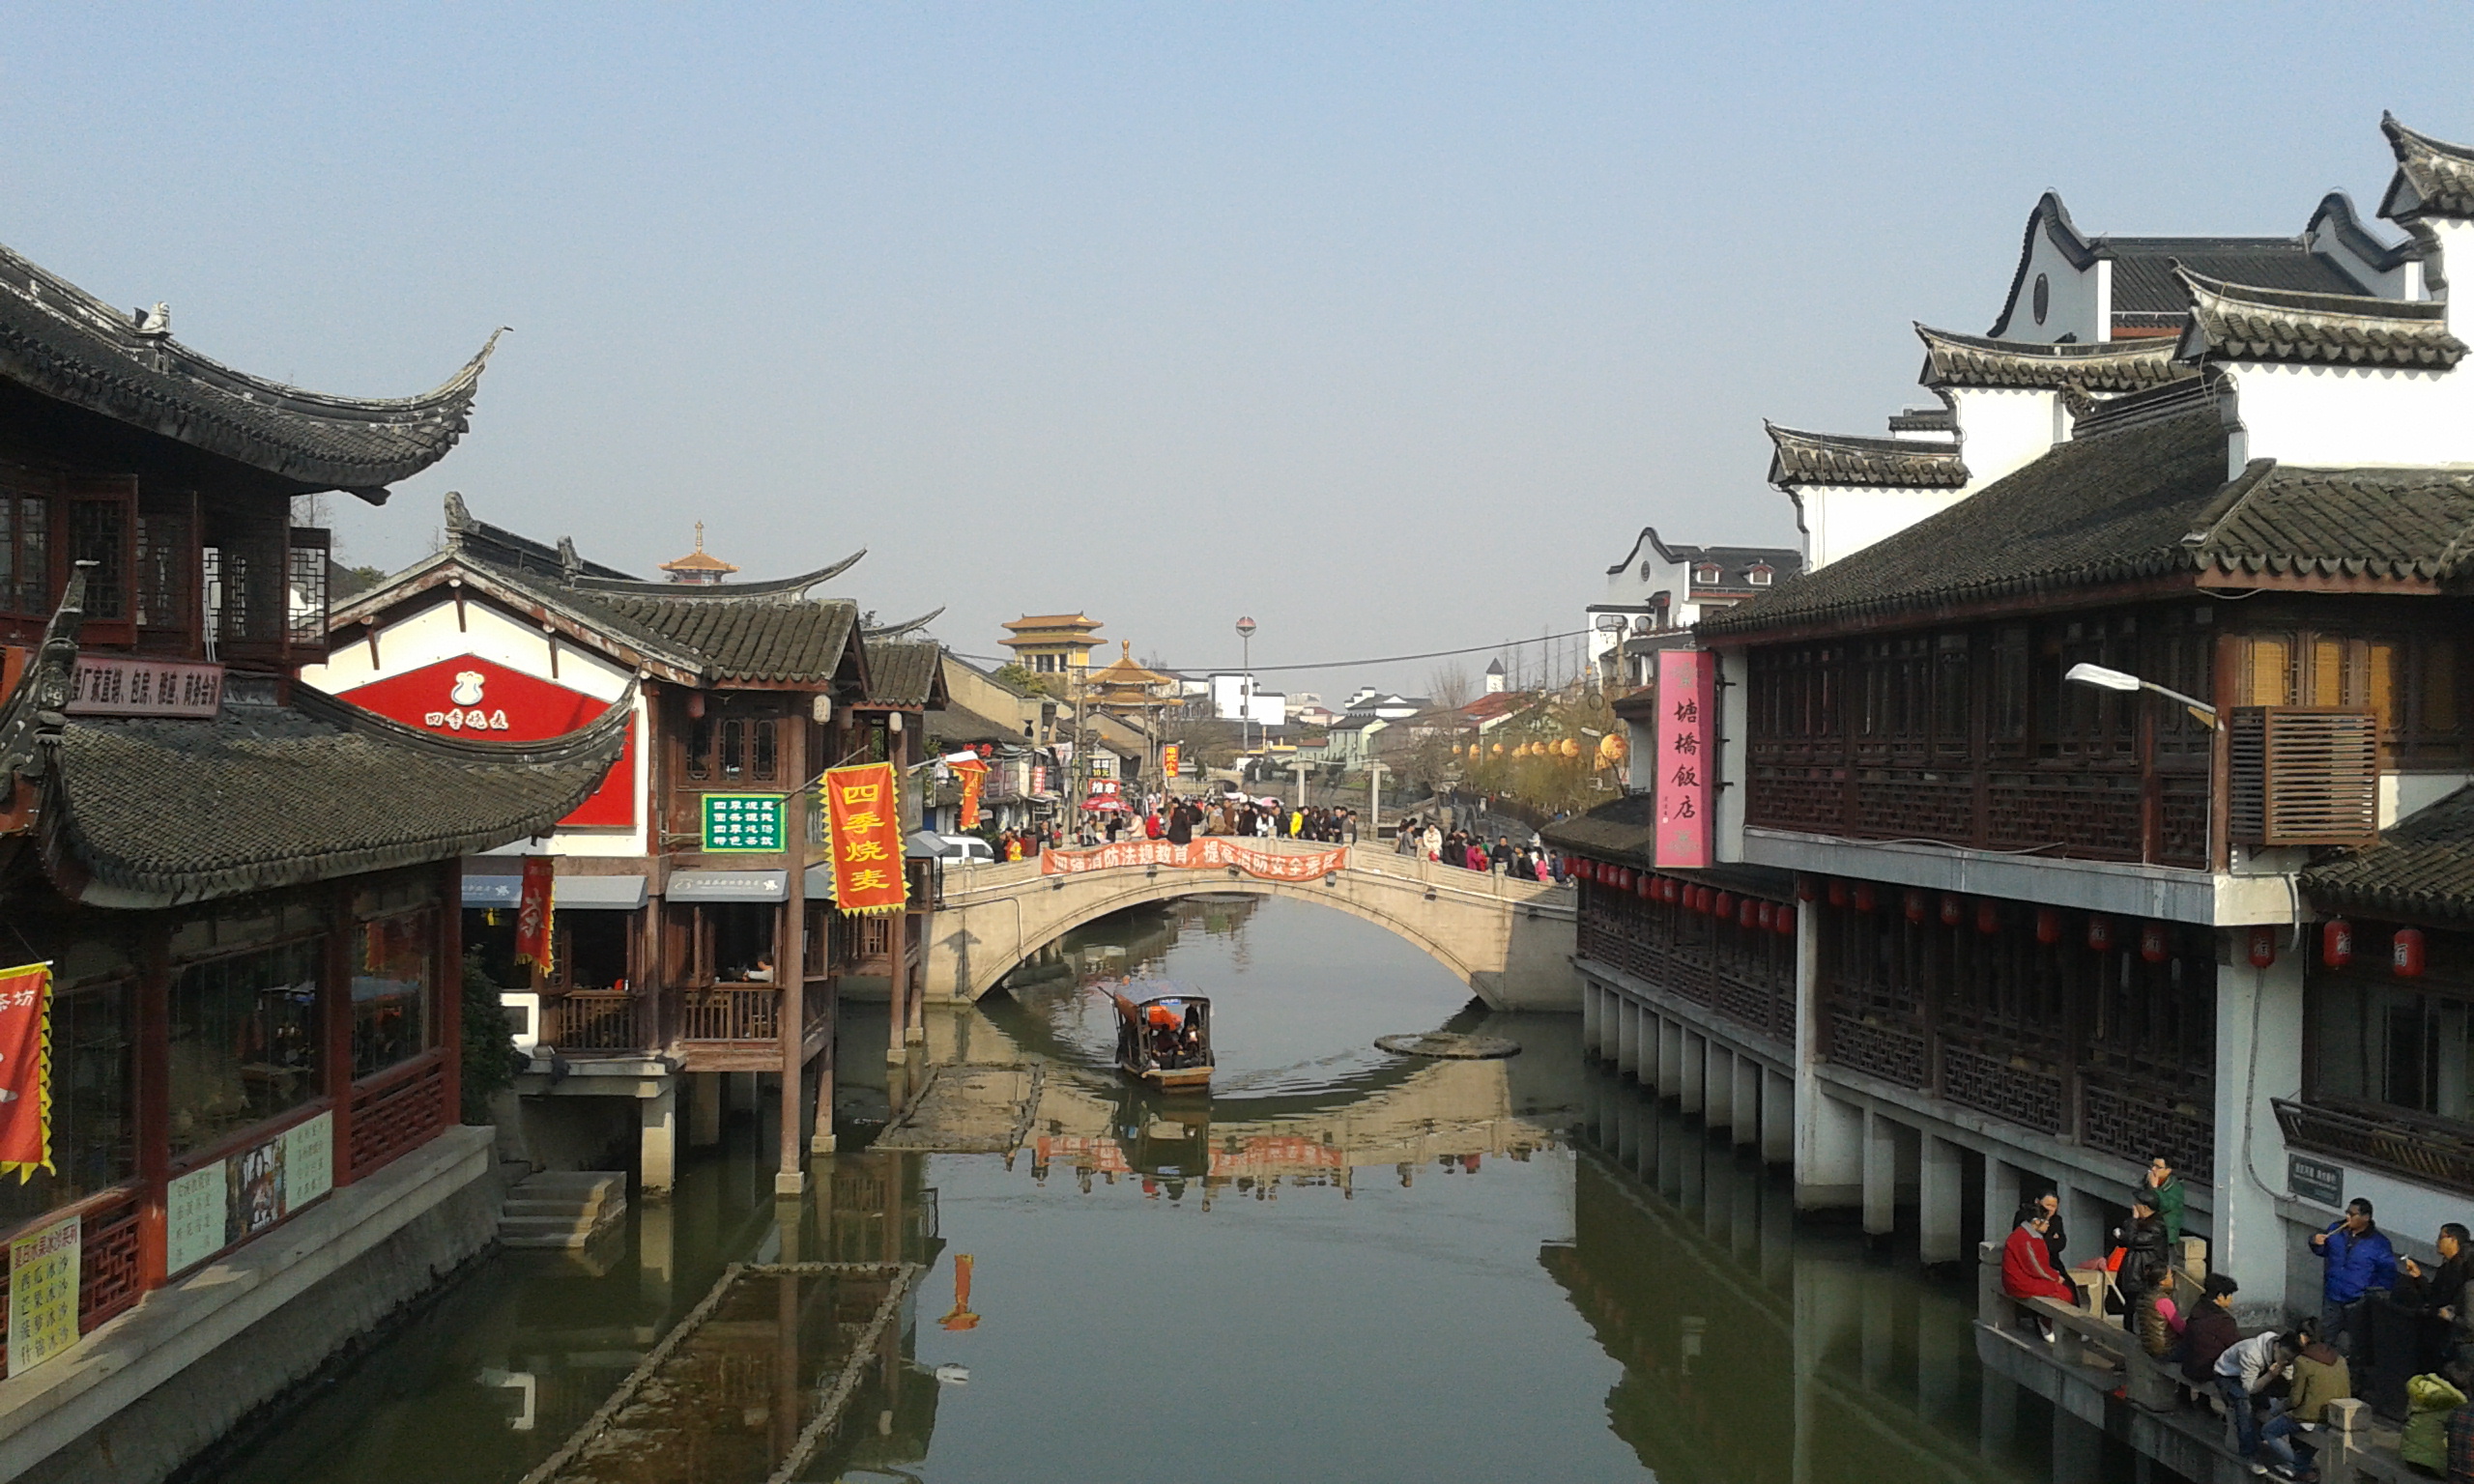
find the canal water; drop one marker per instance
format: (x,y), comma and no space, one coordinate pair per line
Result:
(1342,1265)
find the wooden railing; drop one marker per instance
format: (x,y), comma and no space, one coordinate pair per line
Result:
(2424,1149)
(109,1280)
(730,1013)
(397,1111)
(595,1020)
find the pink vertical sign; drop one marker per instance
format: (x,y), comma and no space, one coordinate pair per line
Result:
(1686,754)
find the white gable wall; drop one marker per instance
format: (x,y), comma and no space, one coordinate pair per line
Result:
(2002,429)
(2074,298)
(492,633)
(1842,519)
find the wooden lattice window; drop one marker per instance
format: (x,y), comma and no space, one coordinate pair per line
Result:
(25,554)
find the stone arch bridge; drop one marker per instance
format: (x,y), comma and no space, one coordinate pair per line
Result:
(1511,942)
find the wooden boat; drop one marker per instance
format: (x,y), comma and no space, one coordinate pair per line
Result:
(1165,1040)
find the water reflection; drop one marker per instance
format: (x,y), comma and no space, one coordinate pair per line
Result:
(1356,1267)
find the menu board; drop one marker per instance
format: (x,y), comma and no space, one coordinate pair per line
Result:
(42,1294)
(308,1161)
(194,1219)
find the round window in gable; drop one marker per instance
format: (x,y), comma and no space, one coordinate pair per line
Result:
(2044,298)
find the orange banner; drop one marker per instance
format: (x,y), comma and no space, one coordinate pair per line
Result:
(25,1071)
(532,937)
(974,776)
(1168,760)
(1210,852)
(864,812)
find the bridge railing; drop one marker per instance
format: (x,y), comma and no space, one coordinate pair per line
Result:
(966,882)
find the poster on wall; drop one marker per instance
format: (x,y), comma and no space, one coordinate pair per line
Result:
(42,1294)
(254,1199)
(308,1161)
(194,1218)
(1686,755)
(25,1071)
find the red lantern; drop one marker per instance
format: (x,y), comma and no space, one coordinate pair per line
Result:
(2337,943)
(1837,892)
(2047,926)
(1764,916)
(2100,934)
(1952,909)
(1648,886)
(1806,888)
(1784,924)
(2151,942)
(2406,952)
(1726,907)
(1623,877)
(1863,897)
(1988,918)
(2264,946)
(1674,889)
(1745,917)
(1915,906)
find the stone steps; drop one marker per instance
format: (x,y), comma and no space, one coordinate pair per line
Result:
(562,1209)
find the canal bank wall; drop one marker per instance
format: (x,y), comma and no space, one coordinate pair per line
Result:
(160,1385)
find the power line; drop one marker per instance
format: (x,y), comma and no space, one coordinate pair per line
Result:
(1389,659)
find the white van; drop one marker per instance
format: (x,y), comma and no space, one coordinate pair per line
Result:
(964,849)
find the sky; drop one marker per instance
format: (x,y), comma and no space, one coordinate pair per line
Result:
(1386,326)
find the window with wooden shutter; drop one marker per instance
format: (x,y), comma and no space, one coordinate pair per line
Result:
(2303,776)
(2270,680)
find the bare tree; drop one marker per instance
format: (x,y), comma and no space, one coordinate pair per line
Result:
(1448,685)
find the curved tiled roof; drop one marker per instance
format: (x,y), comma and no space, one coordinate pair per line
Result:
(2422,868)
(2241,321)
(1829,458)
(68,345)
(2369,521)
(747,641)
(2105,365)
(903,672)
(2433,178)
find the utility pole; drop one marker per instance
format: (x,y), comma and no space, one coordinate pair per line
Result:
(1246,694)
(1374,799)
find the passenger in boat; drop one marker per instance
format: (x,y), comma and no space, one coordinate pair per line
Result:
(1189,1037)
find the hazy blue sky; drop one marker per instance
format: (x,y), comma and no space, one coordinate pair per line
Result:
(1387,325)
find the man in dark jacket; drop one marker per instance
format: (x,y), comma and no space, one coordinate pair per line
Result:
(2142,1242)
(2210,1330)
(2048,1206)
(2359,1260)
(2439,1293)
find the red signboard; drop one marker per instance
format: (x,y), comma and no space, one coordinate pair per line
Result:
(469,696)
(1686,755)
(864,818)
(25,1071)
(974,777)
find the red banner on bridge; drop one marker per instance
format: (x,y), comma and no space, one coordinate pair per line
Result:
(1210,853)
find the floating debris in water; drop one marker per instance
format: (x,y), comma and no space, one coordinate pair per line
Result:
(1451,1045)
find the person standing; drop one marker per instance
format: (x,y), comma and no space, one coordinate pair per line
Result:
(2168,1189)
(2143,1242)
(2358,1260)
(1433,842)
(1501,855)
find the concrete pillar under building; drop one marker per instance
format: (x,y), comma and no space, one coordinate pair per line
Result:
(1880,1175)
(1748,1101)
(1670,1035)
(657,1139)
(1590,996)
(1939,1181)
(1694,1064)
(1717,1085)
(2000,1197)
(1645,1047)
(1777,1118)
(1627,1037)
(1830,1151)
(655,1262)
(704,1109)
(2259,1056)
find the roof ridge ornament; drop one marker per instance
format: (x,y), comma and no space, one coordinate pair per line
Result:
(2433,178)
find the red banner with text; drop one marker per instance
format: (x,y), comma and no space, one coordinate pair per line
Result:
(974,777)
(1685,754)
(534,943)
(1210,852)
(25,1071)
(863,815)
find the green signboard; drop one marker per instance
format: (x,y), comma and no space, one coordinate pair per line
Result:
(745,822)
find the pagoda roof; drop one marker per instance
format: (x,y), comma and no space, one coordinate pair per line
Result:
(2106,365)
(1801,458)
(2433,178)
(2245,322)
(65,344)
(1052,622)
(151,813)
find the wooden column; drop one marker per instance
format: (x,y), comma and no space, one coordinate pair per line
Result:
(791,959)
(335,1024)
(153,1096)
(450,985)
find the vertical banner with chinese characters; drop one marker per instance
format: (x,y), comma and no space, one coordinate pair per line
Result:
(532,909)
(863,811)
(1168,760)
(25,1071)
(1687,734)
(42,1294)
(974,777)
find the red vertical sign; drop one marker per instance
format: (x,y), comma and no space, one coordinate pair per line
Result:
(533,941)
(1686,754)
(864,815)
(25,1071)
(974,777)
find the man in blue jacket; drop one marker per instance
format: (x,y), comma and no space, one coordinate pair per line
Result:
(2359,1260)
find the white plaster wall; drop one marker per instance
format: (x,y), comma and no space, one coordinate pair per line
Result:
(2003,430)
(2072,308)
(492,633)
(2403,794)
(2332,414)
(1842,519)
(2404,281)
(1735,723)
(2258,1057)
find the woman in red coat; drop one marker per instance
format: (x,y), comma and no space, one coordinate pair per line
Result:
(2026,1266)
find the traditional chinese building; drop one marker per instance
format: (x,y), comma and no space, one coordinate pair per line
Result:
(1052,643)
(244,889)
(679,919)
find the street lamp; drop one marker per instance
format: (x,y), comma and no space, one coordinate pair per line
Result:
(2101,678)
(1246,694)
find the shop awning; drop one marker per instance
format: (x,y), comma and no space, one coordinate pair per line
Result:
(573,894)
(729,885)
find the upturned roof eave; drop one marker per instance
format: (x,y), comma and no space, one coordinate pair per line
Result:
(448,569)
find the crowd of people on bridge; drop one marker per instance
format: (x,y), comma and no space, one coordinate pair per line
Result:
(1428,840)
(2404,1330)
(1179,821)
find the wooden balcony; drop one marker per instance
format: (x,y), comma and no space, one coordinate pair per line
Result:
(2429,1150)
